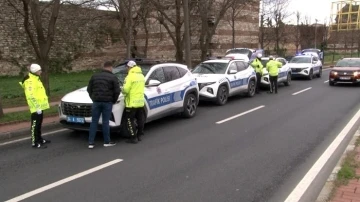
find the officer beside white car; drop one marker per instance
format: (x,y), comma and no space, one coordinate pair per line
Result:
(258,67)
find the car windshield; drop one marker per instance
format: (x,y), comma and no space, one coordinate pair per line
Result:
(264,62)
(121,71)
(348,63)
(211,68)
(300,60)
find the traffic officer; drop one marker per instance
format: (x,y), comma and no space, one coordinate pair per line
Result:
(258,67)
(38,101)
(133,90)
(273,68)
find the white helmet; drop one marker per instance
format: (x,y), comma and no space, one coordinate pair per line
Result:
(259,55)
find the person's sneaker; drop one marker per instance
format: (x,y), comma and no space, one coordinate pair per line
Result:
(39,146)
(91,146)
(45,141)
(110,144)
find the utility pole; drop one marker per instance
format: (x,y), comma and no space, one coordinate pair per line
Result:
(187,34)
(129,31)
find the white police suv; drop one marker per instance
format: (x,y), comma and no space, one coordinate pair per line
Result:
(222,78)
(170,89)
(307,65)
(284,72)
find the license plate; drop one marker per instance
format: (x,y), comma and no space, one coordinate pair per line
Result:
(345,78)
(74,119)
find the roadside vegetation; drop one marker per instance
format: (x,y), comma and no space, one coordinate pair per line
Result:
(25,115)
(13,95)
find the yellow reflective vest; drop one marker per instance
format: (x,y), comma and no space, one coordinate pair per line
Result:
(257,65)
(273,67)
(134,88)
(35,93)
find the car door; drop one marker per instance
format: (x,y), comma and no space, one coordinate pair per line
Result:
(173,87)
(282,70)
(234,78)
(316,64)
(155,95)
(244,74)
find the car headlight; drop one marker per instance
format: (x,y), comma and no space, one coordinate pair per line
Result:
(333,73)
(202,85)
(356,73)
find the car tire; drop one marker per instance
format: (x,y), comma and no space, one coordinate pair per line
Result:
(331,83)
(320,73)
(190,106)
(251,88)
(288,80)
(222,95)
(311,75)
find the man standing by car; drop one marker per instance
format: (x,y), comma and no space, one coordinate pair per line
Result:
(104,91)
(258,67)
(133,90)
(38,101)
(273,68)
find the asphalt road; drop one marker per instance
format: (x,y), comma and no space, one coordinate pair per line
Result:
(260,156)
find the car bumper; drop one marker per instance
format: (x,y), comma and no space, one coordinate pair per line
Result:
(208,92)
(265,81)
(296,73)
(345,79)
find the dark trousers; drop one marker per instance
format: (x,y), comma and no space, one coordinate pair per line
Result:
(132,114)
(36,123)
(258,82)
(104,109)
(273,84)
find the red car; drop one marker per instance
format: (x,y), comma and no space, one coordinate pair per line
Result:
(346,70)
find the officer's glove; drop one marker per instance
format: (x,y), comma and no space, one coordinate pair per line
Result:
(39,111)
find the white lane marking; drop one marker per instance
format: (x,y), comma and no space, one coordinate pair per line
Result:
(302,91)
(304,184)
(326,81)
(27,138)
(63,181)
(233,117)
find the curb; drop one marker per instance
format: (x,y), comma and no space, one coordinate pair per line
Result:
(16,122)
(326,191)
(25,132)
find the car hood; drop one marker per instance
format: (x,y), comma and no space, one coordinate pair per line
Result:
(299,65)
(346,68)
(203,78)
(79,96)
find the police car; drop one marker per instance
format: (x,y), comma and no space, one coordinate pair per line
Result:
(170,89)
(306,65)
(222,78)
(284,72)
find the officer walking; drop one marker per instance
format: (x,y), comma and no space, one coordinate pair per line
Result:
(258,67)
(38,101)
(133,90)
(273,68)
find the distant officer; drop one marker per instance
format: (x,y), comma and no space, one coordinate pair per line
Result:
(38,101)
(258,67)
(133,90)
(273,68)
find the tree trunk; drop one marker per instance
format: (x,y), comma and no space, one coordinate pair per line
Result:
(1,109)
(262,31)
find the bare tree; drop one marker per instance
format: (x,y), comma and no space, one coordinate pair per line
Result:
(235,10)
(41,39)
(297,36)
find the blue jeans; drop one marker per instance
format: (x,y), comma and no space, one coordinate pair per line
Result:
(104,109)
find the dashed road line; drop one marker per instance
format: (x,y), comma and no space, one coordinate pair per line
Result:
(241,114)
(306,89)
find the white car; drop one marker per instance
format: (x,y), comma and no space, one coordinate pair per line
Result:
(284,72)
(222,78)
(170,88)
(307,65)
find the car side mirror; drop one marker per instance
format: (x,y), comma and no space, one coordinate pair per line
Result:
(153,82)
(233,71)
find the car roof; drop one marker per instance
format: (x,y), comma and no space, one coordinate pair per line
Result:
(140,61)
(267,58)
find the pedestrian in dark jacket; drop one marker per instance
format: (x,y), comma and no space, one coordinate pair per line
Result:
(104,91)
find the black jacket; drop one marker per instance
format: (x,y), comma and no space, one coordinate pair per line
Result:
(104,87)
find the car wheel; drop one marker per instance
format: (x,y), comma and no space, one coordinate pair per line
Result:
(288,80)
(251,88)
(331,83)
(320,73)
(222,95)
(311,75)
(190,106)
